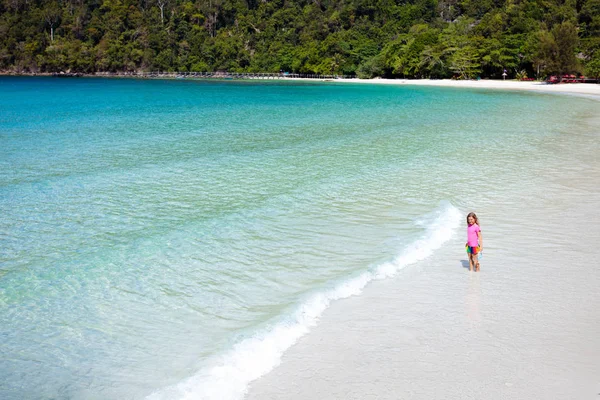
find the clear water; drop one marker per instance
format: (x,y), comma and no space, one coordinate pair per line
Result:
(170,239)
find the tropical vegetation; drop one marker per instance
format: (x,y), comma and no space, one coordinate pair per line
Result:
(367,38)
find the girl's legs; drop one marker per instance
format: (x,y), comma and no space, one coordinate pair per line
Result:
(476,262)
(470,261)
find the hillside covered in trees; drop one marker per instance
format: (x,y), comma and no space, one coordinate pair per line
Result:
(388,38)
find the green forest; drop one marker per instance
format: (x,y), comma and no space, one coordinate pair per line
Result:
(463,39)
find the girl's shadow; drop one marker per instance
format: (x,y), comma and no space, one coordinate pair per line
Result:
(465,263)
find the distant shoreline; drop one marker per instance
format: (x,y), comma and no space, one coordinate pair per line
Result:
(590,90)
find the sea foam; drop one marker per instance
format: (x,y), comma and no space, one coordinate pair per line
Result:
(227,376)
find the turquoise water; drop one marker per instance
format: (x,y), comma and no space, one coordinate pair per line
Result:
(173,238)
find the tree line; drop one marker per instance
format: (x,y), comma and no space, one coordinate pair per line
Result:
(366,38)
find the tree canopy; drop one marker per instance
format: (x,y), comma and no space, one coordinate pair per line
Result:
(368,38)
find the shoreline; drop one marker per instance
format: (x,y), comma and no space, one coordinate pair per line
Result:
(588,90)
(591,90)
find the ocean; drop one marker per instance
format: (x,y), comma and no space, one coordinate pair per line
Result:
(171,239)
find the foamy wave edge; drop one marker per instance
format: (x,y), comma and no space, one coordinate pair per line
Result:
(228,375)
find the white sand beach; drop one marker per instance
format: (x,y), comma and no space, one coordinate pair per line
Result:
(526,327)
(578,89)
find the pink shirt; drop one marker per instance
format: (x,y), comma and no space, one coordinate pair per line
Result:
(472,239)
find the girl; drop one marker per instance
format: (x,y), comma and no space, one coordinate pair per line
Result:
(474,241)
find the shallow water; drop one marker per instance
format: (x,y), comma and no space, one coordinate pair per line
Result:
(158,236)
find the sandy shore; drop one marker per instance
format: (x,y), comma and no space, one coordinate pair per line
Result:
(526,327)
(578,89)
(581,89)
